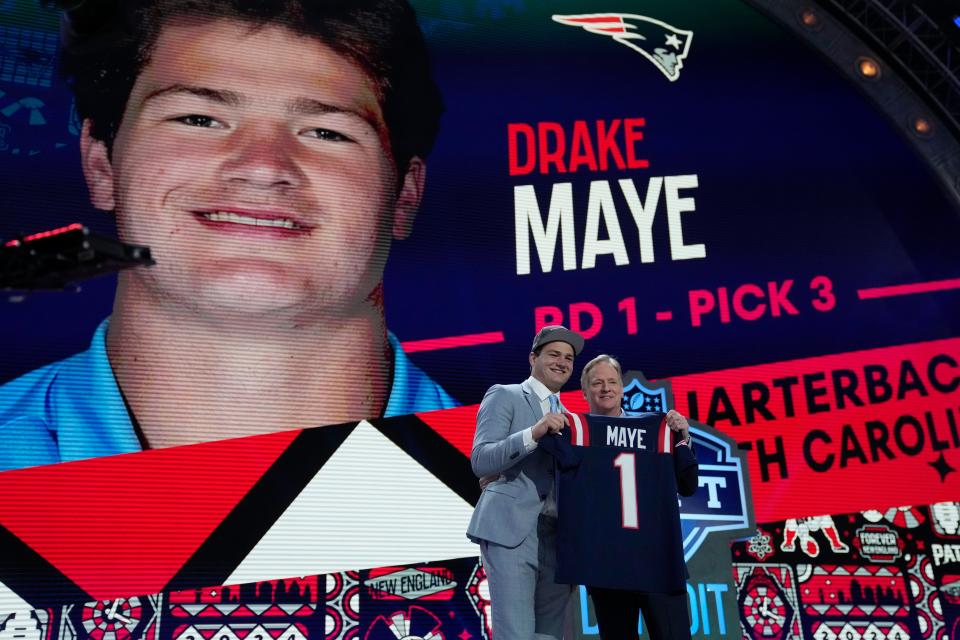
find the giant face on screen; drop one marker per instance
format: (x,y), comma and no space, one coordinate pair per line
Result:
(269,191)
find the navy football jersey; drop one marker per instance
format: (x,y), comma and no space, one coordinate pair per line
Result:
(619,521)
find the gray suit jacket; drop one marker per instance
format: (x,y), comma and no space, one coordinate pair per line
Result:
(509,506)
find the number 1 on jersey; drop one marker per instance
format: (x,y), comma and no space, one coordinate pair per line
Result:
(627,464)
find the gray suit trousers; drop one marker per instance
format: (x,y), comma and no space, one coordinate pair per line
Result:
(526,604)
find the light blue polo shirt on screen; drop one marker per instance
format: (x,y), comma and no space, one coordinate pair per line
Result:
(72,409)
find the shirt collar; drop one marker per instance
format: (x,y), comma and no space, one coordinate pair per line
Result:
(94,420)
(412,390)
(539,388)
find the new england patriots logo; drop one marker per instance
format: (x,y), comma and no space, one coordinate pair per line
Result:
(662,44)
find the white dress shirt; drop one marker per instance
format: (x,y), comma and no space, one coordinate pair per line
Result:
(543,394)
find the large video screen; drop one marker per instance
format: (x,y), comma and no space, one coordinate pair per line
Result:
(345,227)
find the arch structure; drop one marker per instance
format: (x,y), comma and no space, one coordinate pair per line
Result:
(900,57)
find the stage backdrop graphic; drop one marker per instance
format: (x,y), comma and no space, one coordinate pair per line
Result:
(871,575)
(720,209)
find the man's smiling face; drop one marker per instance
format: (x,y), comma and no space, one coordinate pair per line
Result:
(553,365)
(256,164)
(604,390)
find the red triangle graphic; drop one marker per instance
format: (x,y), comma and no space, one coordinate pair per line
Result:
(455,425)
(124,525)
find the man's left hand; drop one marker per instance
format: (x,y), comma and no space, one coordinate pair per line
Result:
(678,422)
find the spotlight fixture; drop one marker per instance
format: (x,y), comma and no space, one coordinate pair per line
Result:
(809,18)
(868,68)
(921,126)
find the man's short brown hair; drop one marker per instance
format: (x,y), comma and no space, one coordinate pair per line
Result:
(107,43)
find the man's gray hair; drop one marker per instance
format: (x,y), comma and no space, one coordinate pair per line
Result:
(610,360)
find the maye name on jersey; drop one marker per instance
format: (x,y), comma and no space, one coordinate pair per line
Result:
(627,437)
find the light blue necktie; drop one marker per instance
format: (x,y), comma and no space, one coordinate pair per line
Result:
(554,404)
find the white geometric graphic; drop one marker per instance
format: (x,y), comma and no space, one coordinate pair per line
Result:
(372,494)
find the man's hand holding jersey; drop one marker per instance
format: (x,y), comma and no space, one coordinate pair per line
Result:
(678,422)
(550,423)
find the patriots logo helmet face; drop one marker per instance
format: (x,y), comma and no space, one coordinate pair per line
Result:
(662,44)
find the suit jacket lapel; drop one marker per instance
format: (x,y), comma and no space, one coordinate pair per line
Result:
(544,477)
(532,401)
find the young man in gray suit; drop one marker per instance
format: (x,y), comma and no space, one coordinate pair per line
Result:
(515,520)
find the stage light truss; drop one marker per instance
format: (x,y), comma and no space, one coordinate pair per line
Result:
(911,38)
